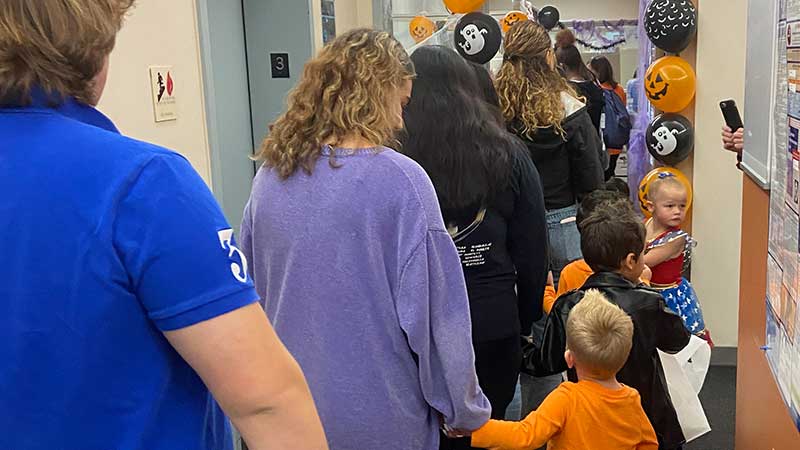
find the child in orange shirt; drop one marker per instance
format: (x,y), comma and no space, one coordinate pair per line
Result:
(577,272)
(596,413)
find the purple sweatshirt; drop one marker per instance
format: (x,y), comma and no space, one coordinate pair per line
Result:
(364,286)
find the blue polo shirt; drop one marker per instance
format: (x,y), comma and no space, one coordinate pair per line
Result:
(105,243)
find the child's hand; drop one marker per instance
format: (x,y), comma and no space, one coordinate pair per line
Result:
(647,274)
(550,281)
(452,433)
(455,434)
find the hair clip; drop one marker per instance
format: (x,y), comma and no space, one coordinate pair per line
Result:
(662,175)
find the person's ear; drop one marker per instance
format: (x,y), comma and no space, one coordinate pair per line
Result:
(570,359)
(650,206)
(630,261)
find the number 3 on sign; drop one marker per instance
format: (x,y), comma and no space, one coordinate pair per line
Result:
(226,240)
(280,65)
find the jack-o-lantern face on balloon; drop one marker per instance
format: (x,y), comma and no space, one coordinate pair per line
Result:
(670,84)
(421,28)
(512,18)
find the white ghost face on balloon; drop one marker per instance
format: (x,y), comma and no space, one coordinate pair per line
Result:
(473,39)
(667,141)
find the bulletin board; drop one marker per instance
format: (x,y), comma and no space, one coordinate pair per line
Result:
(783,266)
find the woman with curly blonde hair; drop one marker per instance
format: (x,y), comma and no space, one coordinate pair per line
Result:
(541,107)
(350,253)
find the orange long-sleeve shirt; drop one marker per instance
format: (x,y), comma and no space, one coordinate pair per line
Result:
(573,276)
(582,415)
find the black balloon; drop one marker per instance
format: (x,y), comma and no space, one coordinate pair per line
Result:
(549,17)
(670,138)
(478,37)
(671,24)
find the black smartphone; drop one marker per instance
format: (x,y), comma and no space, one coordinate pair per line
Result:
(731,114)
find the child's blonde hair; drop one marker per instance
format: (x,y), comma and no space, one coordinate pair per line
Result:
(660,183)
(599,335)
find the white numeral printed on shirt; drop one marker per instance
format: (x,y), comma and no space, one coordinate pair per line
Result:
(226,240)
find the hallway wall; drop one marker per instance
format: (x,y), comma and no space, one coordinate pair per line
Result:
(155,33)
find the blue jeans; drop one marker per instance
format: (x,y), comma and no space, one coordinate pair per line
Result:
(565,241)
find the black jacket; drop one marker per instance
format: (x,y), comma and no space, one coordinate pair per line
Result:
(505,258)
(655,327)
(571,165)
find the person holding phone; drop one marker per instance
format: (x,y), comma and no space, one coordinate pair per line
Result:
(733,131)
(733,140)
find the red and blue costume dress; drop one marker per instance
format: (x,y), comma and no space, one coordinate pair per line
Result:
(677,291)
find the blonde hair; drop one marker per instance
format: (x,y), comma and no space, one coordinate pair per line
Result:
(529,89)
(58,46)
(345,91)
(599,335)
(657,185)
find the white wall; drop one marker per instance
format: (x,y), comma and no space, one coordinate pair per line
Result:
(353,14)
(159,32)
(569,9)
(721,44)
(579,9)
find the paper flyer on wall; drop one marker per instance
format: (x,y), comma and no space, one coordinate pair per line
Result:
(781,141)
(790,8)
(795,380)
(785,365)
(789,262)
(774,282)
(772,344)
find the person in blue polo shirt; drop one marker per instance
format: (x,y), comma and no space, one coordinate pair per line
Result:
(124,300)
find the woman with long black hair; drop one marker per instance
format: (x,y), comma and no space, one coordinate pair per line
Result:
(493,207)
(583,80)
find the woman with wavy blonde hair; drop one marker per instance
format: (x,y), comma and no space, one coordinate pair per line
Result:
(541,107)
(349,251)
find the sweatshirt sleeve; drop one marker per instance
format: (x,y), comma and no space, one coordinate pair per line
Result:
(528,241)
(532,432)
(549,299)
(433,311)
(586,157)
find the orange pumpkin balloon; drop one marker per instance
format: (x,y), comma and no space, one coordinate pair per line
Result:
(463,6)
(661,172)
(511,18)
(670,84)
(421,28)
